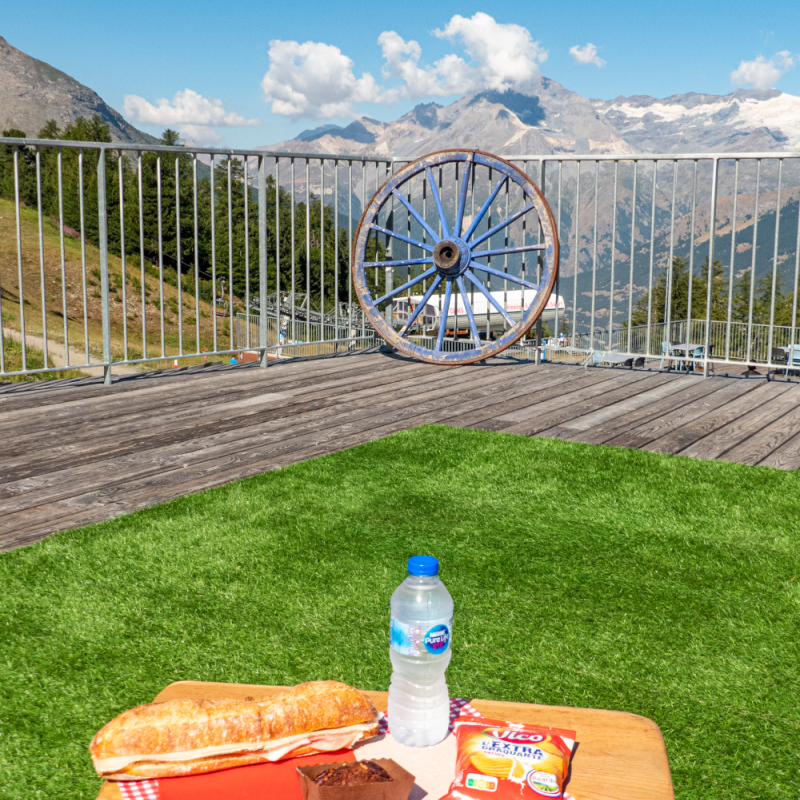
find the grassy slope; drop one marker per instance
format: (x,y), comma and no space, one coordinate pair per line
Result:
(9,283)
(582,576)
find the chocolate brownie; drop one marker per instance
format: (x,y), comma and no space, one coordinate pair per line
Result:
(355,774)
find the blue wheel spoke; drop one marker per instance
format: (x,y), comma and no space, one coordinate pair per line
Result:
(438,201)
(408,284)
(501,225)
(489,297)
(463,199)
(505,275)
(443,319)
(402,238)
(463,292)
(436,281)
(407,262)
(508,251)
(417,216)
(484,208)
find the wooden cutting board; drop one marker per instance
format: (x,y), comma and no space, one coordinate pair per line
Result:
(618,756)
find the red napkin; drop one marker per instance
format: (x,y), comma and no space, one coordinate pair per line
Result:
(258,782)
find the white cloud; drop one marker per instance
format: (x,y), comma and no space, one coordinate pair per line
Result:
(761,72)
(450,75)
(314,80)
(586,55)
(193,115)
(505,54)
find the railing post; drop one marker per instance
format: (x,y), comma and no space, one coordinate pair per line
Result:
(262,260)
(102,231)
(712,234)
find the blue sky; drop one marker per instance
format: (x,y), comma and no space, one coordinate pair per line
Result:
(221,54)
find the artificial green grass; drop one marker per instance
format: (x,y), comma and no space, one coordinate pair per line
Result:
(586,576)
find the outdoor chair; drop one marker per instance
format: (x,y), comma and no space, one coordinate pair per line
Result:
(793,359)
(779,359)
(698,353)
(666,354)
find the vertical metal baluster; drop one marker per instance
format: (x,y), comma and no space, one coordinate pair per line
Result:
(196,256)
(307,336)
(160,253)
(336,247)
(733,258)
(178,256)
(121,171)
(41,252)
(214,253)
(141,255)
(506,244)
(291,192)
(775,262)
(278,249)
(594,248)
(524,167)
(322,248)
(389,271)
(647,349)
(539,262)
(263,277)
(350,248)
(102,219)
(633,255)
(63,259)
(688,338)
(577,250)
(246,250)
(83,259)
(613,257)
(668,293)
(19,263)
(753,265)
(712,234)
(558,233)
(363,206)
(231,344)
(794,291)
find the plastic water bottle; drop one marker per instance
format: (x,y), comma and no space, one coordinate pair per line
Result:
(422,625)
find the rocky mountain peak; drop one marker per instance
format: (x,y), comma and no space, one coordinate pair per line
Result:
(33,92)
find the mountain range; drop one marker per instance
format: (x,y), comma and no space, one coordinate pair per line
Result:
(32,92)
(550,119)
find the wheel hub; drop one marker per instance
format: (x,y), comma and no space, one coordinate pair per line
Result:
(451,257)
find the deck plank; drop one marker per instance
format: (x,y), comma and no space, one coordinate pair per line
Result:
(79,453)
(743,427)
(679,439)
(645,433)
(686,391)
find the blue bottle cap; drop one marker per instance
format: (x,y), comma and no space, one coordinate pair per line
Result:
(423,566)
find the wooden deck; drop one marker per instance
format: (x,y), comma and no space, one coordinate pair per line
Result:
(75,454)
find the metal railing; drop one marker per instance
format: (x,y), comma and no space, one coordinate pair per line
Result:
(130,256)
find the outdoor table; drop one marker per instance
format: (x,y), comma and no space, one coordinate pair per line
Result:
(618,755)
(616,358)
(686,349)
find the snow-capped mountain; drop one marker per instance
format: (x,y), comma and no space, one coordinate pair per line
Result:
(553,120)
(744,121)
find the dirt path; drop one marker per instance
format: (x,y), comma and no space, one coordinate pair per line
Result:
(56,352)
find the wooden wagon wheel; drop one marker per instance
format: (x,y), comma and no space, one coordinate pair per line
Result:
(448,255)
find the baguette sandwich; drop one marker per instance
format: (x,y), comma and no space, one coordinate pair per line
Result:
(190,737)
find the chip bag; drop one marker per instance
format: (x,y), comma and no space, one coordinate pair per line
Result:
(509,760)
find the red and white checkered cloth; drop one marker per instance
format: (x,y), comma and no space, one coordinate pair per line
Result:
(148,790)
(139,790)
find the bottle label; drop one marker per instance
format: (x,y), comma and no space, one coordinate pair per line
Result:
(417,639)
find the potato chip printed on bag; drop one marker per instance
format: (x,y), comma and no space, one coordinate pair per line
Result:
(509,760)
